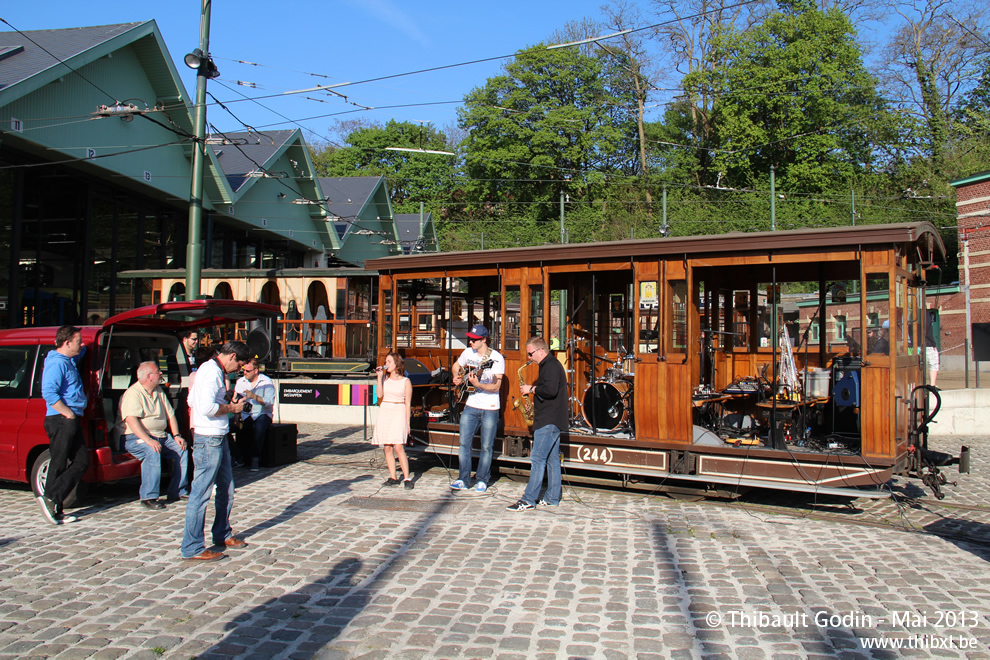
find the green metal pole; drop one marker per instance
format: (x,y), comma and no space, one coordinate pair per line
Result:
(664,225)
(193,247)
(852,196)
(773,202)
(562,216)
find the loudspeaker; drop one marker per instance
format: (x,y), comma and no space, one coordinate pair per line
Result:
(846,390)
(260,343)
(280,445)
(263,339)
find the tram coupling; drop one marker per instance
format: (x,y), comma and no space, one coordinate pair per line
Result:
(926,462)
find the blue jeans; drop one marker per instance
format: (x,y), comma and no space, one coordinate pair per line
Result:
(471,419)
(544,456)
(151,466)
(211,464)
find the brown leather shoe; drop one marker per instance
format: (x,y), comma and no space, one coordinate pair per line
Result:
(207,555)
(235,543)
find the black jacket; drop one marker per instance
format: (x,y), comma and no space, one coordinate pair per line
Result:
(550,395)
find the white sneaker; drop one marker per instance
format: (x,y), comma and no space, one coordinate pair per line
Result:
(458,485)
(480,487)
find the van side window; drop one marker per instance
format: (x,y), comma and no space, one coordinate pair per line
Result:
(40,369)
(16,363)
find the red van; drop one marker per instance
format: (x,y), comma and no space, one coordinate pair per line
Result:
(113,352)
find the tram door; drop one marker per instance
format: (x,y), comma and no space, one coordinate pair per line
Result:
(674,367)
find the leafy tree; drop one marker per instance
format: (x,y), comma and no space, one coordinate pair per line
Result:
(412,177)
(793,93)
(931,60)
(555,121)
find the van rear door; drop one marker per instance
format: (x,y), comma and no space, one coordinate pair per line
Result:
(16,372)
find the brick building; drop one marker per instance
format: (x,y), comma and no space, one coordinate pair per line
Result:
(972,304)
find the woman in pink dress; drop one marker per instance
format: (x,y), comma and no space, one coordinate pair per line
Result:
(392,428)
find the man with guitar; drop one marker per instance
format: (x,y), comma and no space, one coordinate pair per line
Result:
(478,372)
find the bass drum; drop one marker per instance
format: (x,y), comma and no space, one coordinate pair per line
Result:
(607,405)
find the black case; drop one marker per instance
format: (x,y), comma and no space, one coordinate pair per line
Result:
(280,446)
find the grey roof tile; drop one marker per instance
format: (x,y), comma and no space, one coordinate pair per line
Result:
(348,195)
(246,151)
(42,49)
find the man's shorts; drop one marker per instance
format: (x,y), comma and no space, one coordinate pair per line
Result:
(931,358)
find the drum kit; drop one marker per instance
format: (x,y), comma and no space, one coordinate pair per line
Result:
(607,403)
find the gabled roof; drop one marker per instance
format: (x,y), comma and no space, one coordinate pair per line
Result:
(411,234)
(20,64)
(244,153)
(348,195)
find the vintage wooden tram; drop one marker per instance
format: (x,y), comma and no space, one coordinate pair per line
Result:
(698,365)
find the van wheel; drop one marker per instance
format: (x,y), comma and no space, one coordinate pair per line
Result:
(39,476)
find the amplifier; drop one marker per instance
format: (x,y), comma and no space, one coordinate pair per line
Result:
(280,446)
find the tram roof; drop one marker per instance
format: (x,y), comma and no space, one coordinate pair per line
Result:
(812,240)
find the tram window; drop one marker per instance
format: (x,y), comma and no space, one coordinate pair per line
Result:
(513,320)
(878,312)
(901,305)
(386,314)
(616,321)
(359,301)
(678,315)
(740,320)
(914,315)
(764,327)
(536,311)
(649,317)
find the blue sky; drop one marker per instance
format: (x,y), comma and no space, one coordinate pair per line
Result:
(342,41)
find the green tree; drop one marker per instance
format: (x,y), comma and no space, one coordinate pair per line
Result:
(792,93)
(412,177)
(555,121)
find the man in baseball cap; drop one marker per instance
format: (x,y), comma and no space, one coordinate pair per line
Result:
(482,368)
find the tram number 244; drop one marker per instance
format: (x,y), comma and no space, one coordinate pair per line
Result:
(601,455)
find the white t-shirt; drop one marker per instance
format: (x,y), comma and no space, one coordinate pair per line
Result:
(483,400)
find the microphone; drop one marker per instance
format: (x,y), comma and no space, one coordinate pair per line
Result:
(613,412)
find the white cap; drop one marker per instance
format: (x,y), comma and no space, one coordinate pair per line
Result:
(886,324)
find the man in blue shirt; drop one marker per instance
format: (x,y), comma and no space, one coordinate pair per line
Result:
(62,389)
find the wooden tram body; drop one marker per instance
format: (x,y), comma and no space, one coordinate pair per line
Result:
(703,365)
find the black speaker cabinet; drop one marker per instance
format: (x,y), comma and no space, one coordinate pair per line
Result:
(280,446)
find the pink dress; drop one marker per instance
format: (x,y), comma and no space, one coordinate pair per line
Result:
(392,427)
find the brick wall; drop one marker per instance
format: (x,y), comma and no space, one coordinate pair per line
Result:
(973,221)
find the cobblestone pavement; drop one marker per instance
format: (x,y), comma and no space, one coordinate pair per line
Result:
(340,567)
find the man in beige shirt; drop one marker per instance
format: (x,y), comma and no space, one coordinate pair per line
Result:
(147,414)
